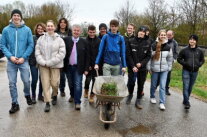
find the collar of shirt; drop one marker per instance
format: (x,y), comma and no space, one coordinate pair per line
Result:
(74,39)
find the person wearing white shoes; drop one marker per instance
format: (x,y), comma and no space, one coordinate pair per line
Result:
(158,66)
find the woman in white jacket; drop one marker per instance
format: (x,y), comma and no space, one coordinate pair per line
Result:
(50,52)
(159,65)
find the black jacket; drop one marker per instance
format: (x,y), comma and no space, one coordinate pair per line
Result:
(93,49)
(83,58)
(32,58)
(138,51)
(191,58)
(174,45)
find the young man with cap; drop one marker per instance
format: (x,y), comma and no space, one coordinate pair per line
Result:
(17,45)
(102,30)
(138,55)
(112,48)
(191,58)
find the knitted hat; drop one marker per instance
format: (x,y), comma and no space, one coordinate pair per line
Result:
(102,25)
(16,11)
(142,28)
(194,36)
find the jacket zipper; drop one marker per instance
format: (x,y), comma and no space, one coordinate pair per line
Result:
(193,62)
(16,44)
(160,60)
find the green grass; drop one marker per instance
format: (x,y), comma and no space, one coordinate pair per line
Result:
(200,87)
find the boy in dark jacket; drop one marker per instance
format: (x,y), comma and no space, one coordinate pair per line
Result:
(138,55)
(112,48)
(191,58)
(93,43)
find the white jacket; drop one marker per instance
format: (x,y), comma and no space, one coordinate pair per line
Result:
(50,57)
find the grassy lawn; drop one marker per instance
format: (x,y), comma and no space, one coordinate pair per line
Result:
(200,87)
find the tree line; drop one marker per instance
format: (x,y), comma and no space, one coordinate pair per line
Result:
(33,14)
(185,17)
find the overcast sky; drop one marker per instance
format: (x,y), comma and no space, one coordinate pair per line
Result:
(92,11)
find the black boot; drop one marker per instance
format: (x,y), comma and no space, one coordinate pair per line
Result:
(47,107)
(129,98)
(14,108)
(29,100)
(138,104)
(54,100)
(33,100)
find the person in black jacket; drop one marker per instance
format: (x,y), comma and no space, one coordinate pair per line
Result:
(38,30)
(93,43)
(76,63)
(102,30)
(64,31)
(191,58)
(130,32)
(138,55)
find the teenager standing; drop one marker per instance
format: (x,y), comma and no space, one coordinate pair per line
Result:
(50,52)
(17,45)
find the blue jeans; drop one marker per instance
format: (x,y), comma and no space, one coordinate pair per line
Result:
(62,81)
(35,75)
(188,82)
(154,79)
(12,70)
(75,83)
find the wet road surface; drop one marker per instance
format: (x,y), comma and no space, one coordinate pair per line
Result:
(64,121)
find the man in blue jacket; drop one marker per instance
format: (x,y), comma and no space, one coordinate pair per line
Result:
(112,48)
(17,45)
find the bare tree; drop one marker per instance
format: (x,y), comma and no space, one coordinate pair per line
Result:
(157,16)
(126,13)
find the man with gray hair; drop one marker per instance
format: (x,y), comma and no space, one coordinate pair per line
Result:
(174,46)
(76,63)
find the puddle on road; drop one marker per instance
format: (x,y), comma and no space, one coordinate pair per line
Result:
(140,129)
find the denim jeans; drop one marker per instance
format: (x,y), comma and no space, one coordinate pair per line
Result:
(35,75)
(62,81)
(154,79)
(188,82)
(12,70)
(75,83)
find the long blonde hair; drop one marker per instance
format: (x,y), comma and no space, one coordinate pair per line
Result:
(158,46)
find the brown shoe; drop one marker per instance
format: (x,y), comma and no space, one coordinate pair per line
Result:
(86,93)
(91,99)
(77,107)
(71,99)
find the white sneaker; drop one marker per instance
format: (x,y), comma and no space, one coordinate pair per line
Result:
(162,106)
(153,101)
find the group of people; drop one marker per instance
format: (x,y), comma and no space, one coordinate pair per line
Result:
(56,54)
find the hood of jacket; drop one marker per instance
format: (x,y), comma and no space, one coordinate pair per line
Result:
(11,24)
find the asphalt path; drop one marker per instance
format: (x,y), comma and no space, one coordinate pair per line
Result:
(64,121)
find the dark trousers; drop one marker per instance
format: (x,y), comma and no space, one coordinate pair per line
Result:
(62,81)
(141,78)
(35,75)
(89,77)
